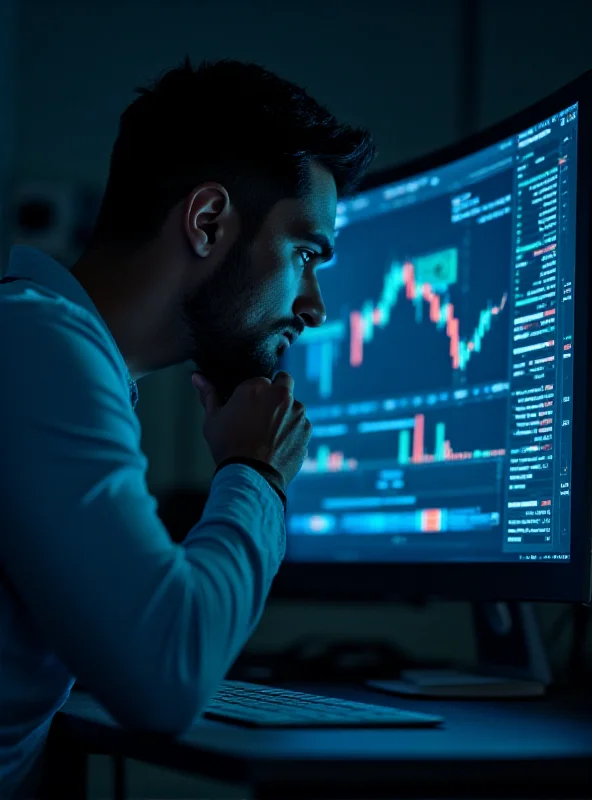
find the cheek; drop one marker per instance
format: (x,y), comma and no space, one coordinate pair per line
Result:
(277,293)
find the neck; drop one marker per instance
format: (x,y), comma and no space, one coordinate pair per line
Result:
(133,300)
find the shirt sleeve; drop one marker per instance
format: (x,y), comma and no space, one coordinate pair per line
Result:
(148,626)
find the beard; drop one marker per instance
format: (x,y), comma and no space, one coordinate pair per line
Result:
(226,340)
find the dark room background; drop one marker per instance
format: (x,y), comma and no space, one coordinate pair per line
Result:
(419,73)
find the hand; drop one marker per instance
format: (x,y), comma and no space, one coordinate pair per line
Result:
(261,420)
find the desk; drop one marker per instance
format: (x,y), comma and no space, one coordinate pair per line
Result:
(520,749)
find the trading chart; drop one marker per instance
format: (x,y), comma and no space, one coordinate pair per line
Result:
(432,385)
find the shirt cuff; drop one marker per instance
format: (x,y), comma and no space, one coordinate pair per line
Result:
(271,474)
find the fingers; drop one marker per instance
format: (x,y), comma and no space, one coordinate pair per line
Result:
(307,426)
(255,383)
(299,411)
(283,384)
(284,379)
(207,392)
(298,408)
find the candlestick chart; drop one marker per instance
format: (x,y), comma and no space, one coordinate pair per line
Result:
(415,327)
(440,386)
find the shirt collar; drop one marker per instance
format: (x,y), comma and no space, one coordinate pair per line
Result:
(29,262)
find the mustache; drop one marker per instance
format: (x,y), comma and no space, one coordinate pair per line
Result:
(296,326)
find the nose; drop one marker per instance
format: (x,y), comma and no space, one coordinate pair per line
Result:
(309,305)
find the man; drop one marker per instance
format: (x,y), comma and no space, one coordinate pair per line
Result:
(219,206)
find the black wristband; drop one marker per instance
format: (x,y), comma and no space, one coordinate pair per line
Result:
(271,474)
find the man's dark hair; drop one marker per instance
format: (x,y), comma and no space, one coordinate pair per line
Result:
(225,121)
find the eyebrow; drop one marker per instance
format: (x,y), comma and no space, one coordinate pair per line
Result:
(322,241)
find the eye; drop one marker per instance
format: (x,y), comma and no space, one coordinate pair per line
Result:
(306,255)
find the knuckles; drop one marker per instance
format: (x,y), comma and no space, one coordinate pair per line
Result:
(299,408)
(283,394)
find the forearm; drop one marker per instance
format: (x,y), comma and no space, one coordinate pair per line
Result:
(236,550)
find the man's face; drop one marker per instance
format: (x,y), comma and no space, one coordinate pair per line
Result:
(239,317)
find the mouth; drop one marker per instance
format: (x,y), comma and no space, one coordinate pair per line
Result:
(284,343)
(290,336)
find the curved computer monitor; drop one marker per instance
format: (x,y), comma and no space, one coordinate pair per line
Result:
(448,389)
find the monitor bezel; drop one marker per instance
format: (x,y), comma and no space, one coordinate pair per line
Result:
(558,582)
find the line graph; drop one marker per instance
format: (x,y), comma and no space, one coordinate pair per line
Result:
(426,285)
(404,278)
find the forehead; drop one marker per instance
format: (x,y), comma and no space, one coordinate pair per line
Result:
(320,202)
(315,211)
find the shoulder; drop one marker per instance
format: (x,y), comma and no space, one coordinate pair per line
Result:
(55,350)
(40,323)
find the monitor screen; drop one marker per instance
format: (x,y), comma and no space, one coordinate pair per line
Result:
(440,386)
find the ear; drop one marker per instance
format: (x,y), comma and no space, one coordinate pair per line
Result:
(206,218)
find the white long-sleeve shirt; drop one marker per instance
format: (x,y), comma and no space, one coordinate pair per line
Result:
(91,585)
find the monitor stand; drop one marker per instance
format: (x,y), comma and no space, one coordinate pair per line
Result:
(511,660)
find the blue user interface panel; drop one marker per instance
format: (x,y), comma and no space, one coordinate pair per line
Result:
(440,386)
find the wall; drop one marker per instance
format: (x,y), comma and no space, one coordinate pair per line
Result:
(8,44)
(529,49)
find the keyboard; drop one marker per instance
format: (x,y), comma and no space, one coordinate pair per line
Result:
(254,705)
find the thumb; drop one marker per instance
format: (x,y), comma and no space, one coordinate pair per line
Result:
(207,392)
